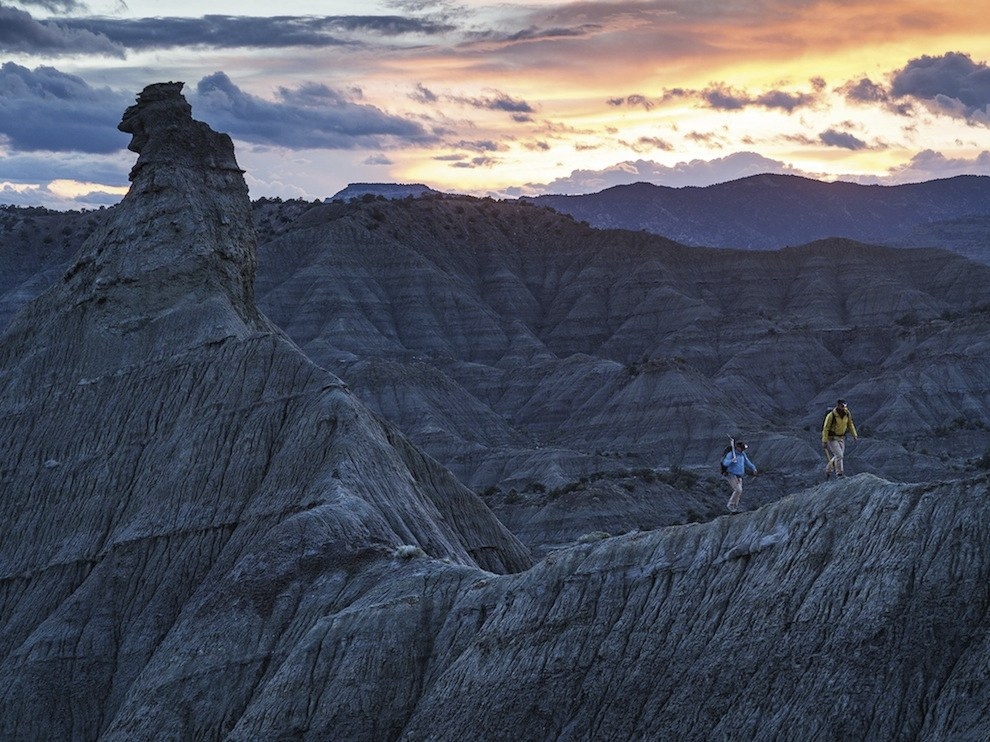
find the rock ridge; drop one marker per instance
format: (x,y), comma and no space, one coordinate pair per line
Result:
(165,448)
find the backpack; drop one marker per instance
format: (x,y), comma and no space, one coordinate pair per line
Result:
(721,461)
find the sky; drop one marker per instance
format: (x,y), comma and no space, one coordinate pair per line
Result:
(500,99)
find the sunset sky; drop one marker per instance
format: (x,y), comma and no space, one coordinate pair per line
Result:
(500,98)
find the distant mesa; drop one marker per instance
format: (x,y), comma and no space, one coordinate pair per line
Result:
(391,191)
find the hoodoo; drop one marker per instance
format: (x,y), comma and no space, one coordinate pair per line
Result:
(165,450)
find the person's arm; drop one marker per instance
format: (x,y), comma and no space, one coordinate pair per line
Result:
(852,428)
(825,427)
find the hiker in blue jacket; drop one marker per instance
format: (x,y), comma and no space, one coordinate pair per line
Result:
(735,464)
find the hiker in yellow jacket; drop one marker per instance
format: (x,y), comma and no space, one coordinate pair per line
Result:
(837,423)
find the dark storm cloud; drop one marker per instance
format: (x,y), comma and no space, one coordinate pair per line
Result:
(227,31)
(310,117)
(842,139)
(44,109)
(952,84)
(19,32)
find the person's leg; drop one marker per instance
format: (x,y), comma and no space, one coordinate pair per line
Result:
(839,451)
(736,484)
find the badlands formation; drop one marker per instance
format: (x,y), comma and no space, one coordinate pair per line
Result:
(207,534)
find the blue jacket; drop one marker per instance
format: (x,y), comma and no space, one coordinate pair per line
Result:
(740,466)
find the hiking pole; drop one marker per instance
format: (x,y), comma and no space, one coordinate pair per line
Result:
(830,457)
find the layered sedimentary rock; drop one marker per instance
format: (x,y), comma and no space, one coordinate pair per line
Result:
(205,536)
(160,438)
(516,345)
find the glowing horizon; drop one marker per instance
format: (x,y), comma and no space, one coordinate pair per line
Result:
(507,98)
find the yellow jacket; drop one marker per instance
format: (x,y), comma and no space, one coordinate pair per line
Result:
(836,426)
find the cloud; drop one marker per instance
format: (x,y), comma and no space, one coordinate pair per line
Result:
(722,97)
(534,33)
(951,84)
(422,94)
(637,100)
(928,164)
(20,32)
(864,90)
(693,173)
(842,139)
(47,110)
(55,6)
(481,145)
(311,116)
(648,144)
(35,167)
(377,159)
(476,162)
(227,31)
(497,102)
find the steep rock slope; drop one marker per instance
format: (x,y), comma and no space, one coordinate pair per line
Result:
(516,345)
(159,437)
(856,612)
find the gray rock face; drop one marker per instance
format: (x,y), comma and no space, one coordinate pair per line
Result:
(161,440)
(830,615)
(517,346)
(205,535)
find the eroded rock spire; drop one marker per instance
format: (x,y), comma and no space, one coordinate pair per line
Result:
(174,265)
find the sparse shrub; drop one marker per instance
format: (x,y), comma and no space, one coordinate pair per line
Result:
(408,551)
(693,516)
(594,536)
(910,319)
(682,479)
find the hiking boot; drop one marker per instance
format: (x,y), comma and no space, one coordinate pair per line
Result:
(732,508)
(828,475)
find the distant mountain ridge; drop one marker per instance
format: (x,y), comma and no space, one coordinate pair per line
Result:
(770,211)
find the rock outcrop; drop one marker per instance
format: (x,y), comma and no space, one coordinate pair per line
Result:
(161,440)
(205,536)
